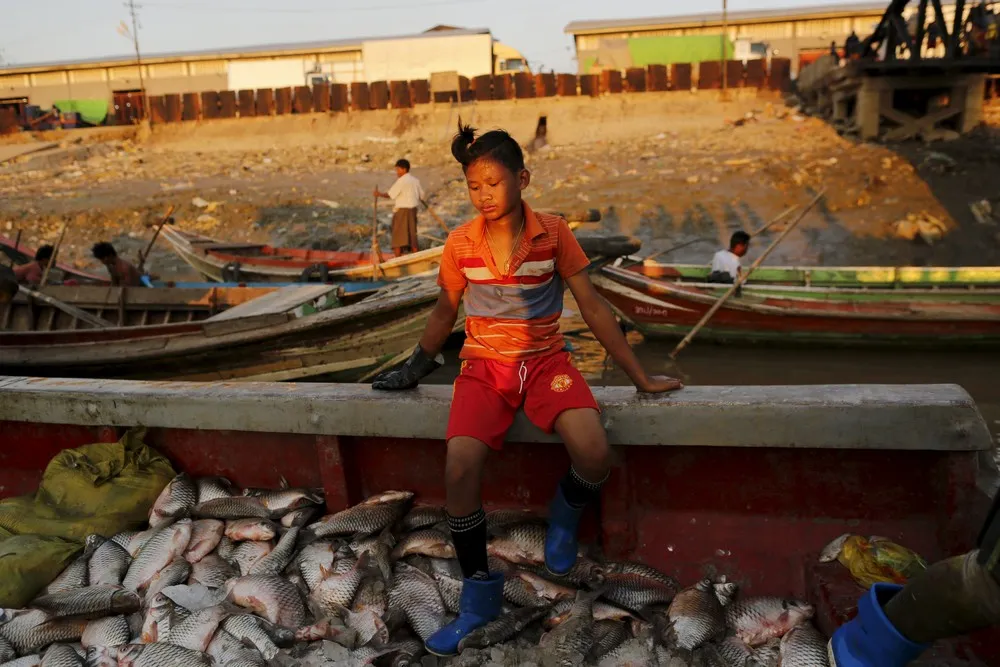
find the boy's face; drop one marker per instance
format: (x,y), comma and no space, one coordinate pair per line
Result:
(740,249)
(494,189)
(108,261)
(400,172)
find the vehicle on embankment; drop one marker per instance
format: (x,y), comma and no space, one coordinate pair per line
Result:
(746,482)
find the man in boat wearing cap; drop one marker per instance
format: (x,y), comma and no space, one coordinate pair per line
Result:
(956,596)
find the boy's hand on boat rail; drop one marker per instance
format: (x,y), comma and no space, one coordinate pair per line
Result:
(658,384)
(409,375)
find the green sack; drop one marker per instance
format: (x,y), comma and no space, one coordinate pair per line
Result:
(103,488)
(28,563)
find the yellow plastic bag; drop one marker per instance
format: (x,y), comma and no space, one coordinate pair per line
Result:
(28,563)
(874,559)
(103,488)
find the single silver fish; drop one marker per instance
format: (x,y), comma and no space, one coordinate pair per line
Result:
(205,536)
(35,629)
(636,593)
(367,624)
(61,655)
(248,553)
(372,596)
(570,642)
(175,573)
(424,516)
(734,652)
(226,547)
(338,589)
(406,652)
(165,546)
(300,517)
(247,627)
(451,590)
(108,565)
(755,620)
(416,595)
(315,561)
(370,517)
(378,549)
(75,574)
(212,571)
(237,507)
(502,629)
(279,558)
(333,629)
(636,652)
(196,631)
(428,542)
(92,601)
(696,616)
(161,655)
(287,499)
(608,635)
(156,623)
(34,660)
(110,631)
(175,501)
(258,530)
(227,650)
(136,540)
(804,646)
(270,596)
(212,488)
(498,519)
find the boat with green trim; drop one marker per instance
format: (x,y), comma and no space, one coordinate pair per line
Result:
(852,306)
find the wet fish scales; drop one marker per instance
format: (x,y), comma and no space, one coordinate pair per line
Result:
(61,655)
(428,542)
(89,601)
(636,594)
(108,565)
(26,661)
(175,501)
(248,553)
(696,616)
(196,631)
(338,589)
(35,629)
(757,619)
(227,650)
(363,519)
(212,488)
(450,589)
(378,550)
(299,518)
(315,560)
(205,537)
(7,651)
(424,516)
(416,594)
(258,530)
(502,629)
(211,571)
(570,642)
(372,595)
(279,558)
(236,507)
(101,656)
(608,635)
(271,597)
(162,655)
(156,622)
(166,545)
(247,627)
(498,519)
(804,646)
(177,572)
(109,631)
(287,500)
(76,573)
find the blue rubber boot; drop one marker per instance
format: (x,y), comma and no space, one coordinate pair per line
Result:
(560,540)
(870,640)
(479,604)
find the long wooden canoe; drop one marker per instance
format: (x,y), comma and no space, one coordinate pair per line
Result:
(21,254)
(245,262)
(787,314)
(264,337)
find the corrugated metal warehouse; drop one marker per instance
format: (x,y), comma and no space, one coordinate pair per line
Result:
(468,52)
(800,34)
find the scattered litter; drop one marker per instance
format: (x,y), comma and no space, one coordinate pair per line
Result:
(982,211)
(874,559)
(327,202)
(938,162)
(383,140)
(692,179)
(924,225)
(199,202)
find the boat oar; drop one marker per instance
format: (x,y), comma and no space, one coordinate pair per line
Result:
(17,244)
(70,310)
(781,216)
(744,276)
(167,220)
(55,256)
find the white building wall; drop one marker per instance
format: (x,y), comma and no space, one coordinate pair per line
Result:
(278,73)
(418,58)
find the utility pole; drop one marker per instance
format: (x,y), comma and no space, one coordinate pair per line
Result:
(725,40)
(132,7)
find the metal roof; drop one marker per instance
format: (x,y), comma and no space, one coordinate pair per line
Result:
(780,13)
(233,52)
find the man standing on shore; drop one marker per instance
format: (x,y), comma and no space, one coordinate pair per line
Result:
(406,194)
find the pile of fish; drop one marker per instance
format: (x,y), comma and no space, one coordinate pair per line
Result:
(247,578)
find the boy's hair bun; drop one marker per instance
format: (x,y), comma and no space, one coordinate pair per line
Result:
(496,145)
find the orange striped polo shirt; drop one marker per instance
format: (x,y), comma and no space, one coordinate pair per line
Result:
(512,317)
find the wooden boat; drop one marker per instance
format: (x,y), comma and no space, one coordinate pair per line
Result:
(848,310)
(288,333)
(247,262)
(749,483)
(20,254)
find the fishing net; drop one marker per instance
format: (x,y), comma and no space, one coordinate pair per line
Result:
(103,488)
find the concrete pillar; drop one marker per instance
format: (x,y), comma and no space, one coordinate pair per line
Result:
(972,102)
(868,109)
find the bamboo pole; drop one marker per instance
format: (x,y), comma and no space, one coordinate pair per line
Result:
(744,276)
(437,218)
(17,244)
(54,258)
(376,252)
(143,255)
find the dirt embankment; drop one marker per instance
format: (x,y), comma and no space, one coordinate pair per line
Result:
(669,168)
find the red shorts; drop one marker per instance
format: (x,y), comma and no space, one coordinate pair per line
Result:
(488,394)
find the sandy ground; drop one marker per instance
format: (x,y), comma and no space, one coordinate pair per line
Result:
(697,170)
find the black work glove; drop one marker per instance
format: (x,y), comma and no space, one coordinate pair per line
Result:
(407,376)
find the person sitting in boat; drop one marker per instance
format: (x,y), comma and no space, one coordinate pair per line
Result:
(406,194)
(726,263)
(123,273)
(8,285)
(32,272)
(510,265)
